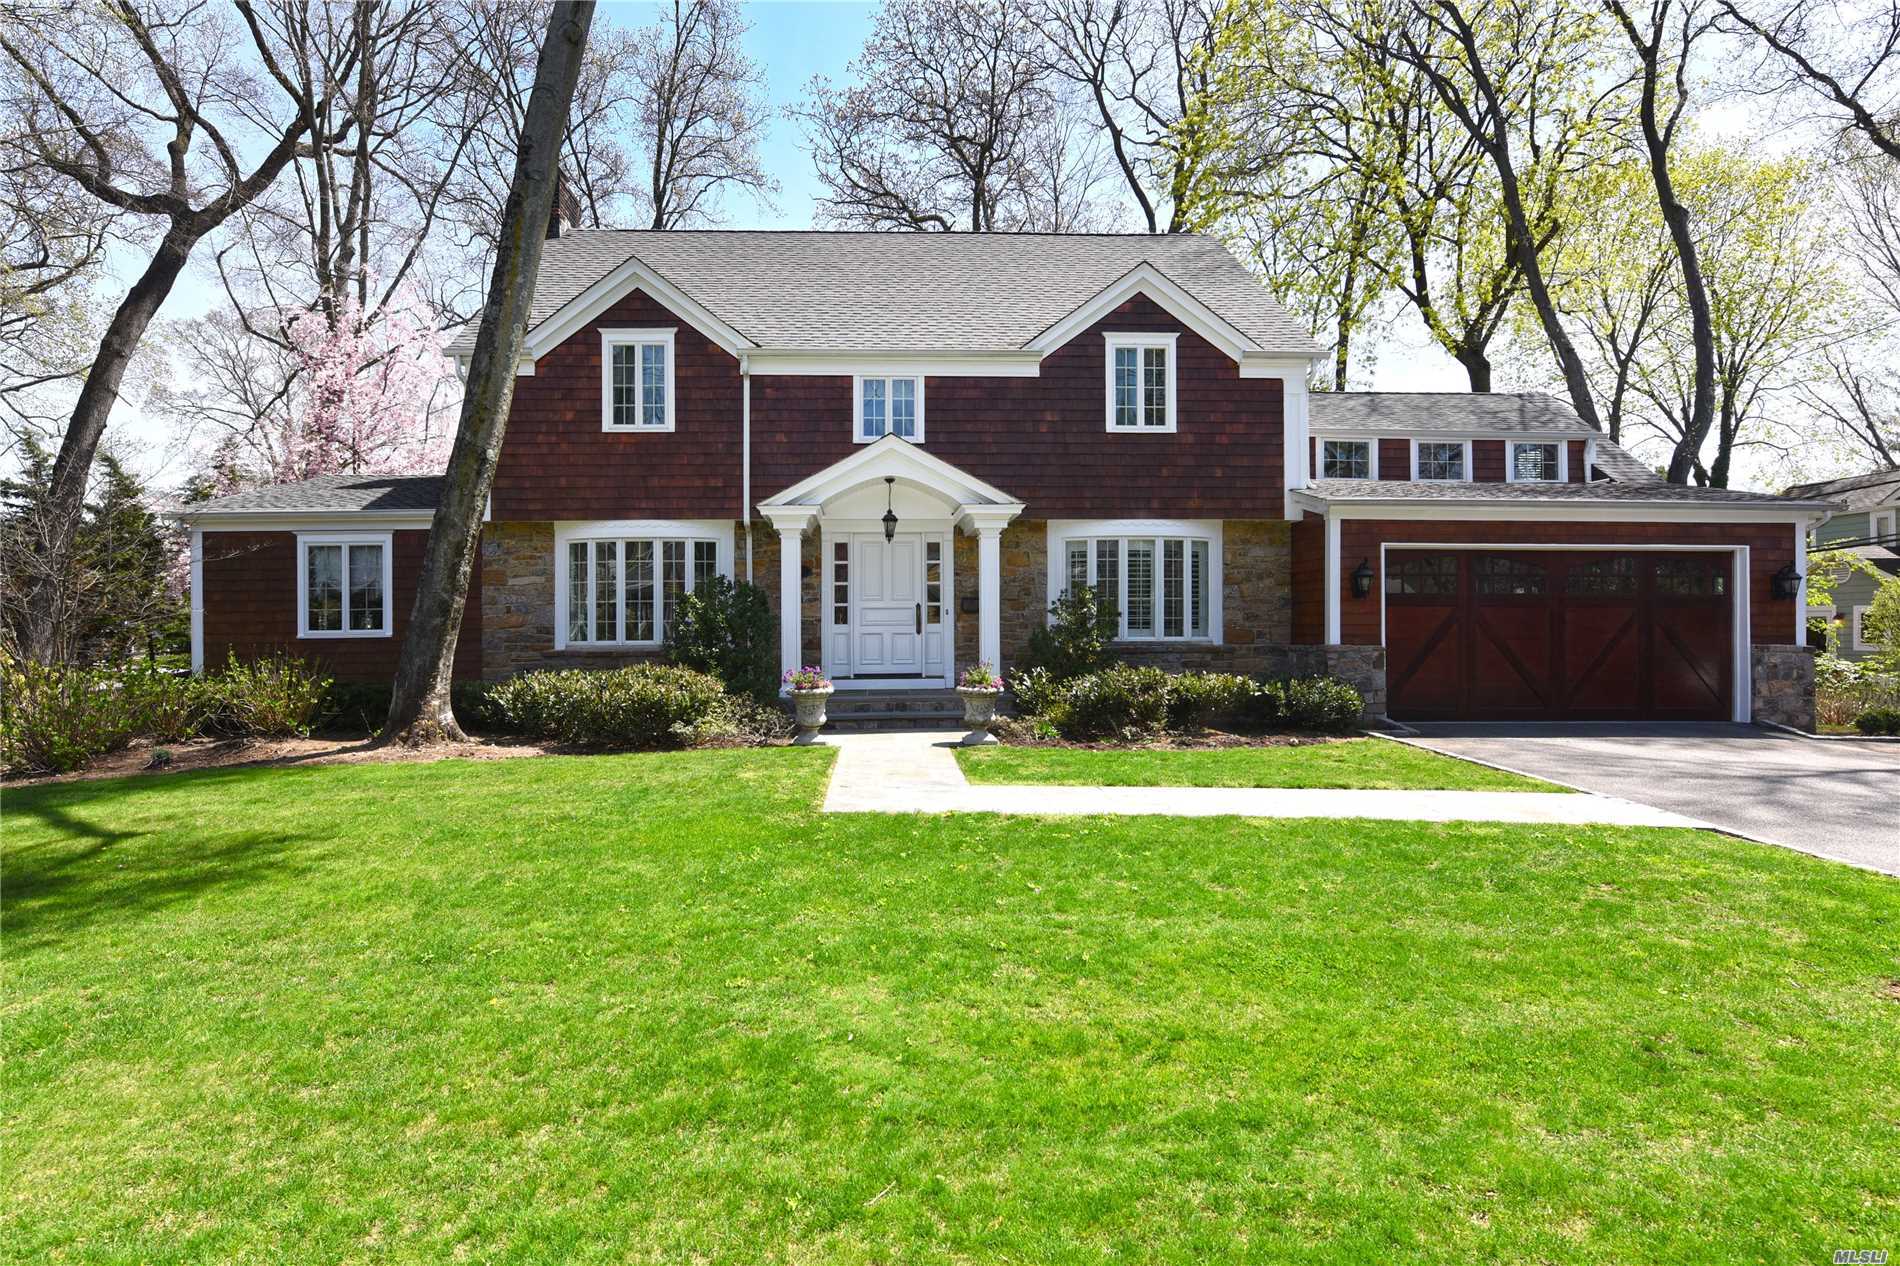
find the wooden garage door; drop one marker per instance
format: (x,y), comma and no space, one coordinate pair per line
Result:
(1531,635)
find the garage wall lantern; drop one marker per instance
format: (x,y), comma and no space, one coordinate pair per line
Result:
(1362,578)
(1786,583)
(890,515)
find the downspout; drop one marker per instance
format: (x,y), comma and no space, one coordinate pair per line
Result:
(745,458)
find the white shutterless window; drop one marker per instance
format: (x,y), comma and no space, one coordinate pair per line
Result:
(636,380)
(1141,373)
(887,405)
(1348,459)
(344,584)
(1162,587)
(1441,460)
(621,588)
(1537,461)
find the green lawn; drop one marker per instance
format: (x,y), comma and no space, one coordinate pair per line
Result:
(1359,764)
(655,1008)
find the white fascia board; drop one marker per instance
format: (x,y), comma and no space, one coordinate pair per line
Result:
(632,274)
(1548,511)
(892,455)
(820,362)
(1146,279)
(305,520)
(1264,365)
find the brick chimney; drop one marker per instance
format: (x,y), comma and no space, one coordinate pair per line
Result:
(566,212)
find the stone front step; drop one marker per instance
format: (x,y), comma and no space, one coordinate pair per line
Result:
(894,709)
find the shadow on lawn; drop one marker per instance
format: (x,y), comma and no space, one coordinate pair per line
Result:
(91,872)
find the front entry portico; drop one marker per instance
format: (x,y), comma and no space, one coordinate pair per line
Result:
(886,592)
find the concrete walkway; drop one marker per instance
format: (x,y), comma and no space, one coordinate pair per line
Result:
(912,771)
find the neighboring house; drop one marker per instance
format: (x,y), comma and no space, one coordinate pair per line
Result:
(1869,525)
(916,441)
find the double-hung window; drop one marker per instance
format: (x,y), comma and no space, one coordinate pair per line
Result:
(636,368)
(889,406)
(1141,382)
(623,590)
(1536,462)
(343,585)
(1346,459)
(1440,460)
(1160,587)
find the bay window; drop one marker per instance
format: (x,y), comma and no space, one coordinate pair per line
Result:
(343,585)
(1160,587)
(620,589)
(636,368)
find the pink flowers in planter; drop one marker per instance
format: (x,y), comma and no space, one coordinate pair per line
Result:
(980,676)
(806,678)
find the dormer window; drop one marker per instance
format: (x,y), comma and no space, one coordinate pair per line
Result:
(1539,462)
(636,371)
(1441,460)
(889,406)
(1346,459)
(1141,382)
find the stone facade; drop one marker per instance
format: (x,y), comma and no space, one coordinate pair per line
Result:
(765,576)
(517,564)
(1784,685)
(1363,667)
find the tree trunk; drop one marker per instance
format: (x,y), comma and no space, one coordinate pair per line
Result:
(66,497)
(1477,368)
(419,706)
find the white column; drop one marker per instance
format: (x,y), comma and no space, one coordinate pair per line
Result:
(989,594)
(197,601)
(790,608)
(1334,580)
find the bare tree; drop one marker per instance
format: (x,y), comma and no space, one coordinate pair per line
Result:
(419,707)
(1145,67)
(1862,405)
(118,98)
(1663,42)
(702,112)
(1849,55)
(936,129)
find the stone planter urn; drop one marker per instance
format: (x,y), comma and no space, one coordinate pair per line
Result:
(810,707)
(979,712)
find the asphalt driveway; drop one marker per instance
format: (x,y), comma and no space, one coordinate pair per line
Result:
(1834,799)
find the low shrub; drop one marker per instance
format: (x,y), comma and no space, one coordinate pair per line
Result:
(1077,640)
(1035,690)
(1322,703)
(1879,721)
(644,705)
(1844,689)
(54,718)
(728,630)
(277,696)
(1198,700)
(738,721)
(165,707)
(357,707)
(1118,702)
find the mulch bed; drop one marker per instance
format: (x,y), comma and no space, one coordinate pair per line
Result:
(1016,734)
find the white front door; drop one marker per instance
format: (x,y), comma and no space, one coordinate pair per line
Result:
(887,605)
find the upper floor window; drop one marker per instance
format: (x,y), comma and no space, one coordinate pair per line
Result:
(1345,459)
(1440,460)
(1141,382)
(889,406)
(636,368)
(343,585)
(1535,462)
(1881,526)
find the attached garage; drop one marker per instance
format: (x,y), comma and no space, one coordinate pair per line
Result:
(1501,635)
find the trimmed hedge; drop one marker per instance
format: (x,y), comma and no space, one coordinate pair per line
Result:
(1879,721)
(1131,702)
(643,705)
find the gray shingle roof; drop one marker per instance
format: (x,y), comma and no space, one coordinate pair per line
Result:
(1600,491)
(326,493)
(1623,466)
(1856,492)
(907,292)
(1413,412)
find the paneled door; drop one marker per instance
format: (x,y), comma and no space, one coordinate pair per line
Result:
(887,605)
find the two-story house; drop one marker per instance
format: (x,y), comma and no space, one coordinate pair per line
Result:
(915,442)
(1868,524)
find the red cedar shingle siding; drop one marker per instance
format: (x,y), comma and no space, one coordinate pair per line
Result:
(1042,439)
(1309,580)
(1487,461)
(1577,471)
(251,608)
(1771,546)
(1395,459)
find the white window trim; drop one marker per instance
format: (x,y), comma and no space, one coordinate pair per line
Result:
(1062,531)
(610,339)
(1116,341)
(857,409)
(1320,441)
(1462,479)
(307,539)
(1510,461)
(719,531)
(1881,524)
(1856,615)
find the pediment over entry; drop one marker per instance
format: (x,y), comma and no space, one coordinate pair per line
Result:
(969,501)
